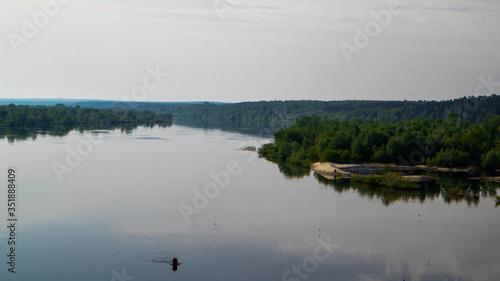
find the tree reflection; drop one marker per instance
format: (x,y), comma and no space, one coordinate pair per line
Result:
(451,186)
(253,128)
(472,190)
(13,134)
(31,133)
(385,194)
(290,171)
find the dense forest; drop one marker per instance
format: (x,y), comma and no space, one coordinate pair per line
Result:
(452,142)
(23,115)
(471,109)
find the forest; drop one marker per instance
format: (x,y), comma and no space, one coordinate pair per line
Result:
(453,142)
(471,109)
(24,115)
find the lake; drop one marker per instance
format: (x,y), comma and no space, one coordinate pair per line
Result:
(119,205)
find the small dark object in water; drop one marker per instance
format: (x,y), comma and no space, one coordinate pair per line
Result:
(174,264)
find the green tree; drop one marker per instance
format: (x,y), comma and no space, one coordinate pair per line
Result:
(492,159)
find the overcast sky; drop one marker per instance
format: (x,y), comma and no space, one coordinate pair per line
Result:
(248,50)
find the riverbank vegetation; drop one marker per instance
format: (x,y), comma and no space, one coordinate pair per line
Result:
(390,179)
(452,142)
(23,115)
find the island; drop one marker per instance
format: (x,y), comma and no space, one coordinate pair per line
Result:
(362,149)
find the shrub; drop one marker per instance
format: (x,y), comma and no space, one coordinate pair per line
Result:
(450,158)
(330,155)
(268,150)
(492,159)
(386,169)
(390,179)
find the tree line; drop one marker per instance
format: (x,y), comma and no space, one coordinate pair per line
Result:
(472,109)
(24,115)
(453,142)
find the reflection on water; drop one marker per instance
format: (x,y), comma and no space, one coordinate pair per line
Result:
(472,190)
(31,133)
(291,171)
(259,129)
(23,133)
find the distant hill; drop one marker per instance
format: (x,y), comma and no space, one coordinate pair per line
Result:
(44,102)
(86,102)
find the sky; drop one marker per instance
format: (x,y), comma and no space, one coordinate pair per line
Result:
(249,50)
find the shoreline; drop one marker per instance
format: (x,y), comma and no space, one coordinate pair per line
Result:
(337,170)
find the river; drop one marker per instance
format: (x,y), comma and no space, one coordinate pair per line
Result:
(120,204)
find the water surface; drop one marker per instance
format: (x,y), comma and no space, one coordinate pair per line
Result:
(117,212)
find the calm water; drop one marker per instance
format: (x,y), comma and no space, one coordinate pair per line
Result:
(116,215)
